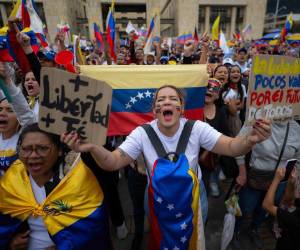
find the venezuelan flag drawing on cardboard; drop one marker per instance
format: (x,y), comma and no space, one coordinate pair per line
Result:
(134,86)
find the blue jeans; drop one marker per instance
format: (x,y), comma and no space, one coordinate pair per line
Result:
(250,201)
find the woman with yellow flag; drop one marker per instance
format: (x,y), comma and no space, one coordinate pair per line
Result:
(50,200)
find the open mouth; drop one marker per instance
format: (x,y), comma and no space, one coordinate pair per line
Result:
(208,94)
(30,87)
(3,122)
(35,167)
(168,114)
(221,79)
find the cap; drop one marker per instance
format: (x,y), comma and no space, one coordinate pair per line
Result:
(243,50)
(164,59)
(228,60)
(47,54)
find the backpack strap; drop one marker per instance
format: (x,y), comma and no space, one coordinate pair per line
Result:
(156,142)
(184,137)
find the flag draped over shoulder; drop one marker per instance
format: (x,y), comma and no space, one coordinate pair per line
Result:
(73,212)
(134,86)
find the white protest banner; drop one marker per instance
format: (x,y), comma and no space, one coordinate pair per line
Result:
(72,102)
(274,88)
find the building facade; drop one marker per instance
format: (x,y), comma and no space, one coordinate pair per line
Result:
(173,17)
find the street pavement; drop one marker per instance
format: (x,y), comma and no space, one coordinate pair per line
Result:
(213,229)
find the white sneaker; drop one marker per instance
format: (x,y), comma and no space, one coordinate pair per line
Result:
(214,189)
(122,231)
(222,176)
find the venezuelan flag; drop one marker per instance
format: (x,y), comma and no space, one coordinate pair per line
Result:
(287,27)
(173,197)
(110,31)
(98,37)
(4,53)
(73,213)
(183,38)
(134,87)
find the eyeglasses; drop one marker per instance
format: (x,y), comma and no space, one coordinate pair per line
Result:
(40,150)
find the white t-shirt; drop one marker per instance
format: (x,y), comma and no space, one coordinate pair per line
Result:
(7,151)
(39,238)
(202,135)
(244,67)
(233,94)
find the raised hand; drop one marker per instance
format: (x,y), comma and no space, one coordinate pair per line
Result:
(261,131)
(6,72)
(74,143)
(189,47)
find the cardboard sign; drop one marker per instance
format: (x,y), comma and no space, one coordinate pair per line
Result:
(274,88)
(71,102)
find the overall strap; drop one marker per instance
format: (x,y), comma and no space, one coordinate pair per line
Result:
(283,145)
(182,143)
(155,141)
(184,137)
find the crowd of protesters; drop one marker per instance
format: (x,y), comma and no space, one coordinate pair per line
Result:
(23,144)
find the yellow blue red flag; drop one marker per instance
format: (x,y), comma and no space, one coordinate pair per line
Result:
(73,213)
(174,214)
(134,87)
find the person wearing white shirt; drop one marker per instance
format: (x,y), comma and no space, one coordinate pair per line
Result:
(168,108)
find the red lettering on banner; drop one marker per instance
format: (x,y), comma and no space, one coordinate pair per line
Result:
(267,97)
(277,96)
(253,97)
(293,96)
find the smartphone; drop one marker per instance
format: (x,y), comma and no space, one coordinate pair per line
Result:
(289,167)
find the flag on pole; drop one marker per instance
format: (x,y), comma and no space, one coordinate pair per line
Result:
(110,30)
(151,27)
(196,38)
(98,37)
(130,27)
(16,12)
(247,30)
(26,11)
(287,28)
(237,36)
(183,38)
(78,56)
(223,43)
(215,32)
(148,42)
(4,52)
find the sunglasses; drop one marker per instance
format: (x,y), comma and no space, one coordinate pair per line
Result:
(214,85)
(215,89)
